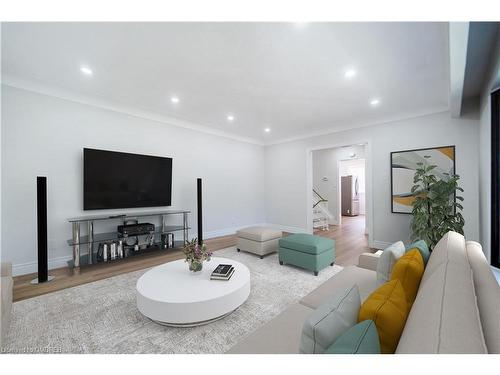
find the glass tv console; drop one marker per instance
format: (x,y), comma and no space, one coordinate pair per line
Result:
(168,222)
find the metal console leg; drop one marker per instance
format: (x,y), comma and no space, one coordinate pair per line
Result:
(76,244)
(163,223)
(90,245)
(185,227)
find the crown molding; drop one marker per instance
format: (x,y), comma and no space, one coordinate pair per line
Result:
(355,126)
(93,101)
(72,96)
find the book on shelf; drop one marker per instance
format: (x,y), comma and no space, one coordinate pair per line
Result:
(222,270)
(226,277)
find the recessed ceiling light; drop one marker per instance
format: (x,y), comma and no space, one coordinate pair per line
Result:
(86,70)
(267,130)
(350,73)
(230,118)
(174,99)
(374,102)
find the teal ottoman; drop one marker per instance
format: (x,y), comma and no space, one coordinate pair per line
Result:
(307,251)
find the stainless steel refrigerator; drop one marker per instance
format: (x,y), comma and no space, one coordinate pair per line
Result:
(349,196)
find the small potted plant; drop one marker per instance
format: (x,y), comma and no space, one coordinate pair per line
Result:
(196,254)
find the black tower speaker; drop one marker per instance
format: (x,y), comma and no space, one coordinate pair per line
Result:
(200,216)
(41,221)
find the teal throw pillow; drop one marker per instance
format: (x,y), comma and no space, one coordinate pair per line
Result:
(359,339)
(422,247)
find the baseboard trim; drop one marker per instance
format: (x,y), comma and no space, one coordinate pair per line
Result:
(380,244)
(228,231)
(32,267)
(59,262)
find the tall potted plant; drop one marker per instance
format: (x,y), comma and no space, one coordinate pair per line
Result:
(436,208)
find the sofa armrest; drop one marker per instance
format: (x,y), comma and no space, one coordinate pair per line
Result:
(6,285)
(368,261)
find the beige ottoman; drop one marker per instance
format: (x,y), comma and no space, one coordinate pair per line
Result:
(258,240)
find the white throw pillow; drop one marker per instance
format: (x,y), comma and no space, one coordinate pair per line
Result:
(329,321)
(389,257)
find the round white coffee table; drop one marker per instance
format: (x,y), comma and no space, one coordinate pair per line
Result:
(172,295)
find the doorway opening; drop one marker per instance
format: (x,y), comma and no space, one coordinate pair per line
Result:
(340,197)
(352,192)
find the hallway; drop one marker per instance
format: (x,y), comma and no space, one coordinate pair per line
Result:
(350,239)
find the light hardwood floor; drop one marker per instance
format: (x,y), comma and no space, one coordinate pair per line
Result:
(67,278)
(350,239)
(350,242)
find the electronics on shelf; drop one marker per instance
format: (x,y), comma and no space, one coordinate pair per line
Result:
(131,238)
(136,229)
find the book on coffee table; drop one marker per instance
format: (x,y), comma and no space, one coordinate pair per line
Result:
(226,277)
(222,270)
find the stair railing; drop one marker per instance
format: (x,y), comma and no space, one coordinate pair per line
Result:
(318,198)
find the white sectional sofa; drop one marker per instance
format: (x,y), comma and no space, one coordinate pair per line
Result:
(456,309)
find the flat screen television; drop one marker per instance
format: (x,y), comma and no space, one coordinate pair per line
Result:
(122,180)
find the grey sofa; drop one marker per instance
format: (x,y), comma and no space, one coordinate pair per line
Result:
(6,284)
(455,311)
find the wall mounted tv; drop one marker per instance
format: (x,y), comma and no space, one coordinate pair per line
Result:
(122,180)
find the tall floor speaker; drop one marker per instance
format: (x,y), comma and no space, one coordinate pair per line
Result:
(41,226)
(200,216)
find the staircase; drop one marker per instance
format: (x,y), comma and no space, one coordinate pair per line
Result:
(321,214)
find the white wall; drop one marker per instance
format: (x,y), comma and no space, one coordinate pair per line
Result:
(244,184)
(325,164)
(286,175)
(492,82)
(44,135)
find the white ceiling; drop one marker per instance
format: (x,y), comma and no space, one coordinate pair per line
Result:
(285,76)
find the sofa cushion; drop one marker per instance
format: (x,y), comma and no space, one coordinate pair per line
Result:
(409,270)
(281,335)
(488,296)
(307,243)
(387,307)
(325,324)
(359,339)
(366,281)
(444,317)
(422,247)
(259,234)
(387,260)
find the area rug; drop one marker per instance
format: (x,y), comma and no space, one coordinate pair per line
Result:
(102,317)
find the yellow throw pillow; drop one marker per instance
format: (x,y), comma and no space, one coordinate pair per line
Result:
(387,307)
(409,270)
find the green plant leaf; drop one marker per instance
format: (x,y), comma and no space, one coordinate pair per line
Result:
(434,210)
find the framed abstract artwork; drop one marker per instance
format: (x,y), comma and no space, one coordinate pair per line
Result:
(403,167)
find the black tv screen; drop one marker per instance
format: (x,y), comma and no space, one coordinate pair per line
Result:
(122,180)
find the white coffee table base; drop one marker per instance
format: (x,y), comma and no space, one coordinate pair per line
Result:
(171,295)
(194,324)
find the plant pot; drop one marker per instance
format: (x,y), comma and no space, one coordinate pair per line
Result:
(195,266)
